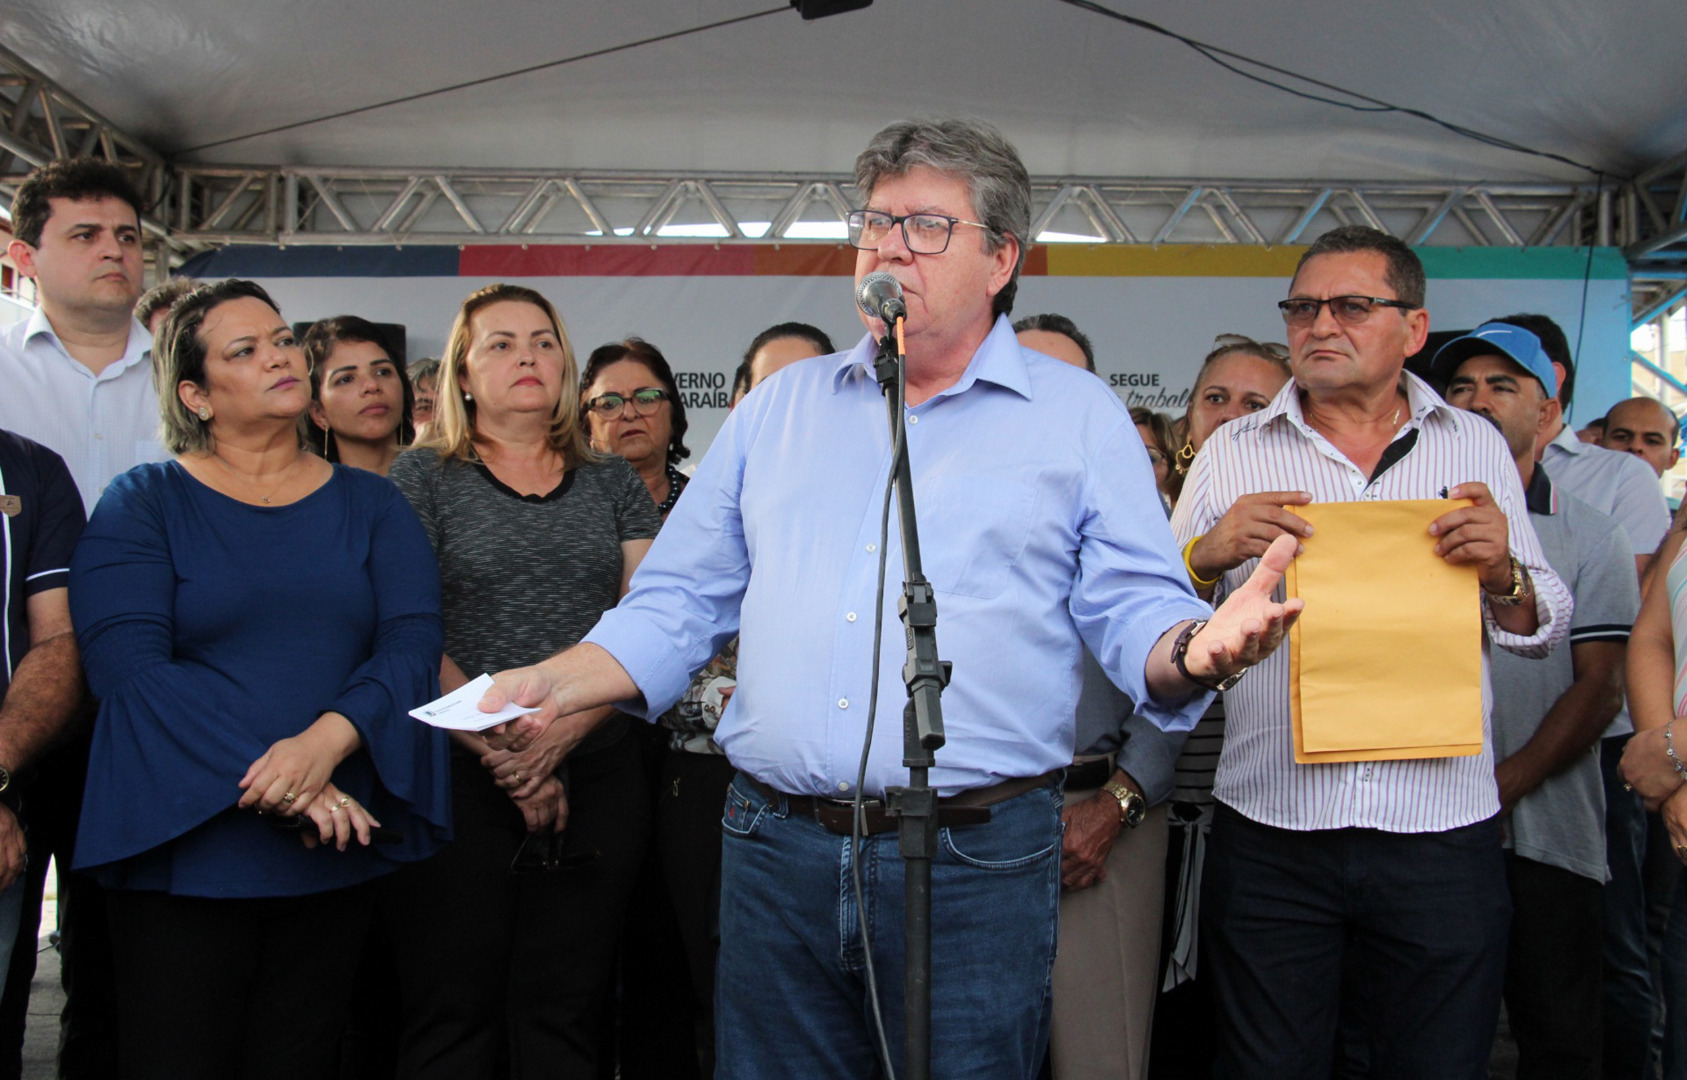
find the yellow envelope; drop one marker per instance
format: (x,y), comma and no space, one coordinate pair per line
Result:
(1386,660)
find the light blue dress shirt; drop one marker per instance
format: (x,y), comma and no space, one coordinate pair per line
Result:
(1039,526)
(102,425)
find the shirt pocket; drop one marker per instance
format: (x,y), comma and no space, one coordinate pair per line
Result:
(973,531)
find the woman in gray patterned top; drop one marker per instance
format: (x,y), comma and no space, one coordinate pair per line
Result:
(537,535)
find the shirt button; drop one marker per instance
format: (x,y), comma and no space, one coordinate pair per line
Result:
(843,703)
(850,617)
(843,785)
(913,419)
(872,547)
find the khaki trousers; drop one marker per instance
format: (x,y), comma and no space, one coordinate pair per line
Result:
(1106,971)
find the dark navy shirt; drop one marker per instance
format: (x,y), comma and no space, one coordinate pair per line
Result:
(210,629)
(40,520)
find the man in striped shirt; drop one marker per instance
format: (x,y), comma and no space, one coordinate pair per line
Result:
(1388,870)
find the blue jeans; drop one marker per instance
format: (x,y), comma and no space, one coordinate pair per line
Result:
(1628,972)
(791,990)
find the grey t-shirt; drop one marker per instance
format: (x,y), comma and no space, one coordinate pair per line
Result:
(1562,822)
(525,576)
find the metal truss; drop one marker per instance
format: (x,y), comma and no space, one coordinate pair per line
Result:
(41,121)
(219,205)
(1655,244)
(195,207)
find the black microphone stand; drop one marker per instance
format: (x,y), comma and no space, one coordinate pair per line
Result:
(915,806)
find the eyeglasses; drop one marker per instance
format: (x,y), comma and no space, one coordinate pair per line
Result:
(644,402)
(925,234)
(1243,341)
(1348,310)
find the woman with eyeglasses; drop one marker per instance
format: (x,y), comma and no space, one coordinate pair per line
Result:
(1239,376)
(665,1026)
(505,942)
(635,412)
(1156,432)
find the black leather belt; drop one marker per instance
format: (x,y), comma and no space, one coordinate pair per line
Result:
(965,808)
(1089,774)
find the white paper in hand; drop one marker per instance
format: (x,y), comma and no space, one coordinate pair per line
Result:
(460,709)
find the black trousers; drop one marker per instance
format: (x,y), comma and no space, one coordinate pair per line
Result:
(1423,915)
(1182,1046)
(1554,971)
(688,835)
(659,1035)
(502,971)
(88,1026)
(252,988)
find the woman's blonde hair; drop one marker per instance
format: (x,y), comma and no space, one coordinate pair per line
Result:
(452,432)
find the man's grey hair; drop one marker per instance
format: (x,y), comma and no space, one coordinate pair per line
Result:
(974,152)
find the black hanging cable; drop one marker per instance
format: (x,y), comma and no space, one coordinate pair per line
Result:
(1587,277)
(487,79)
(1361,103)
(858,819)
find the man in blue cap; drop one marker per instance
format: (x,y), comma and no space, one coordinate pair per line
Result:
(1548,715)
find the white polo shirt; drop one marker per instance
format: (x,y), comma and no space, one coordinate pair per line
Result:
(1620,485)
(1617,484)
(102,425)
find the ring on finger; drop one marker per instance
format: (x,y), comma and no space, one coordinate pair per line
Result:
(345,800)
(333,808)
(288,797)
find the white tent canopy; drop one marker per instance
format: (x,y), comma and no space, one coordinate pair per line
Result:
(1079,93)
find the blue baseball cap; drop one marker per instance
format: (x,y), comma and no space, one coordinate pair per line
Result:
(1497,339)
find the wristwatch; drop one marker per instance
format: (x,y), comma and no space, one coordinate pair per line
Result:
(1519,588)
(1180,650)
(1132,807)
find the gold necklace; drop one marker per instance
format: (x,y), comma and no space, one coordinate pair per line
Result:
(286,475)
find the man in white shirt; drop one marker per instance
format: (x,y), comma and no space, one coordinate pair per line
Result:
(78,379)
(1371,888)
(78,372)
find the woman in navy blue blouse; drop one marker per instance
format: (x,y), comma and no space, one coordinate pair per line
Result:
(256,623)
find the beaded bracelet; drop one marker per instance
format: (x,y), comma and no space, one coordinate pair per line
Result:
(1196,579)
(1669,748)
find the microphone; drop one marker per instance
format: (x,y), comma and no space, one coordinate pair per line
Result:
(880,296)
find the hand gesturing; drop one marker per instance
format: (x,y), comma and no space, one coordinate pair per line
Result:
(1249,625)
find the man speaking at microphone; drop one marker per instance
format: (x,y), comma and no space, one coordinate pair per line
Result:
(1041,533)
